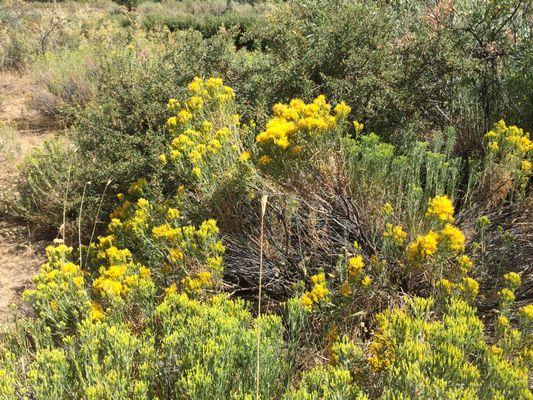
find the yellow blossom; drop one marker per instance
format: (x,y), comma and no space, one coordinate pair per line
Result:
(423,246)
(355,266)
(196,171)
(396,233)
(342,110)
(525,166)
(264,159)
(245,156)
(441,208)
(96,313)
(454,238)
(358,126)
(366,281)
(173,104)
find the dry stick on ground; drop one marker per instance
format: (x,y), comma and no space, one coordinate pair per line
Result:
(264,200)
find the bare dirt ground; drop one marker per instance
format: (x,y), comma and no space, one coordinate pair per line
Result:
(20,253)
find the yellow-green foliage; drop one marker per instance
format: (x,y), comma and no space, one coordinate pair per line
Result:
(326,383)
(60,297)
(208,349)
(421,351)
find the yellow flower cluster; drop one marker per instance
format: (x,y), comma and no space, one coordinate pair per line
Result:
(512,280)
(185,241)
(358,126)
(508,138)
(355,266)
(135,191)
(202,280)
(296,124)
(453,238)
(212,88)
(58,273)
(97,312)
(440,208)
(449,238)
(396,233)
(423,246)
(465,263)
(526,313)
(467,288)
(355,273)
(196,140)
(120,275)
(317,294)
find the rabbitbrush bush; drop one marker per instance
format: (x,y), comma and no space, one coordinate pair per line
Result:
(140,312)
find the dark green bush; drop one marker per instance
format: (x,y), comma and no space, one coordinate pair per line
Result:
(401,65)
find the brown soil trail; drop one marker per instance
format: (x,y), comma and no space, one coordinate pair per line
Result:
(20,253)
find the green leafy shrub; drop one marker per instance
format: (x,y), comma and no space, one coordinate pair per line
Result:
(48,192)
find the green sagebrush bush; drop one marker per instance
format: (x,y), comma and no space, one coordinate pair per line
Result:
(208,26)
(382,173)
(47,191)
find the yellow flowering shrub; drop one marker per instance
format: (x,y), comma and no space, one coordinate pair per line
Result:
(453,238)
(318,294)
(121,281)
(205,344)
(50,375)
(507,164)
(420,354)
(60,297)
(139,315)
(505,142)
(205,134)
(113,361)
(167,249)
(297,129)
